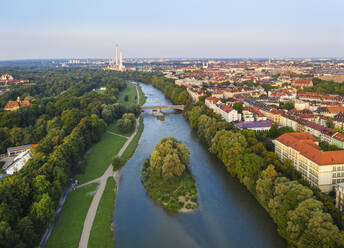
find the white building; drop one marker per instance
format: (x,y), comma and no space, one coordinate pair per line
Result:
(324,169)
(189,82)
(116,65)
(195,93)
(229,114)
(18,162)
(211,102)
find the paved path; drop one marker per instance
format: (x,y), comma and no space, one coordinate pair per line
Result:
(117,134)
(48,231)
(91,214)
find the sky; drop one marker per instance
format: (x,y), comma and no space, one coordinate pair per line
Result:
(38,29)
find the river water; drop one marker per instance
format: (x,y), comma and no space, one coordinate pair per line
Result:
(228,216)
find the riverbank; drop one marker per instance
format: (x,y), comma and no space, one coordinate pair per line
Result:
(92,216)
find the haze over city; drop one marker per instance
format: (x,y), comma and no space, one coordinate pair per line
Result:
(213,29)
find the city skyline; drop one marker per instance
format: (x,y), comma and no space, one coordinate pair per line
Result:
(220,29)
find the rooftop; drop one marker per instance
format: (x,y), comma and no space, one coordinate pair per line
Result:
(305,144)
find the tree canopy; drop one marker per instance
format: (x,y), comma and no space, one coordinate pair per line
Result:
(170,157)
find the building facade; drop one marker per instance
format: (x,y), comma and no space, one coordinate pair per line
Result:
(324,169)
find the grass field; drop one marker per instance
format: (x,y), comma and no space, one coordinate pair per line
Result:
(113,128)
(130,91)
(67,231)
(101,232)
(101,156)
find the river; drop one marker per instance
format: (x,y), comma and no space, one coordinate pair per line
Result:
(228,216)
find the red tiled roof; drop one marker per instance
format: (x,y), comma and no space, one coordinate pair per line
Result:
(16,104)
(227,108)
(277,112)
(339,136)
(12,104)
(304,143)
(212,99)
(335,109)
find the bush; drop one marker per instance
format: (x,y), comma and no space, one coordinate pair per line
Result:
(116,163)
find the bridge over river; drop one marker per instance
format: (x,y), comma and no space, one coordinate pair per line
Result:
(162,107)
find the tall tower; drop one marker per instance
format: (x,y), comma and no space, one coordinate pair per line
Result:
(121,60)
(116,46)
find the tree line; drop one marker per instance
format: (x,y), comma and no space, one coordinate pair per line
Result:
(305,217)
(66,95)
(64,125)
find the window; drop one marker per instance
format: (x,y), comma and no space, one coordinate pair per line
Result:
(333,181)
(334,175)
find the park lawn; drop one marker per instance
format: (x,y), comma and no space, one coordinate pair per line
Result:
(133,144)
(102,231)
(130,91)
(101,156)
(113,128)
(68,228)
(142,96)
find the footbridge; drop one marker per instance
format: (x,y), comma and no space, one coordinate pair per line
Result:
(162,107)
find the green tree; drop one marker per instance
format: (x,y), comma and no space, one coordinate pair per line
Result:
(330,123)
(169,158)
(238,106)
(265,185)
(228,147)
(43,210)
(40,185)
(116,163)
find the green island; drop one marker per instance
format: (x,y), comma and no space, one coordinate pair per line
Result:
(167,178)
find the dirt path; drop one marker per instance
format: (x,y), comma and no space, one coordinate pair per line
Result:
(91,214)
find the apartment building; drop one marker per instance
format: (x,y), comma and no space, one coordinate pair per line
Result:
(324,169)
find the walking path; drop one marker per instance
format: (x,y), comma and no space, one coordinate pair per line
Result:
(117,134)
(91,214)
(48,231)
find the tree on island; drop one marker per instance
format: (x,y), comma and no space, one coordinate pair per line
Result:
(166,177)
(170,158)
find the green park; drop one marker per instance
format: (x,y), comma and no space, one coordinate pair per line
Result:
(115,141)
